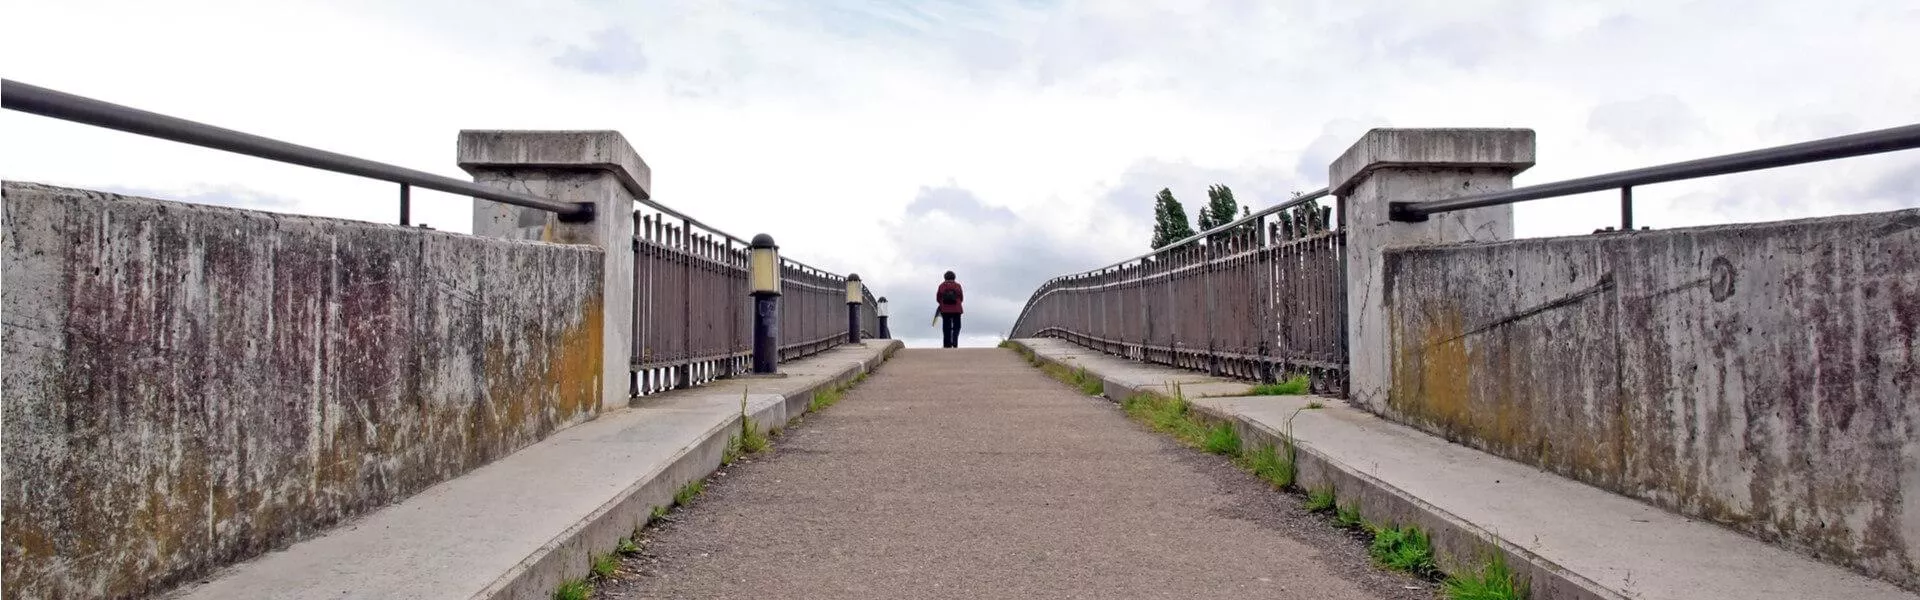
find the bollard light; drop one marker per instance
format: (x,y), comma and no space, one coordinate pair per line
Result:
(763,265)
(854,300)
(853,289)
(880,309)
(880,314)
(763,275)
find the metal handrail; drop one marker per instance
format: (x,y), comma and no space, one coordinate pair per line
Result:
(1251,217)
(1859,144)
(79,109)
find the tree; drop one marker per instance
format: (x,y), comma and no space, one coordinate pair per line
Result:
(1169,220)
(1220,208)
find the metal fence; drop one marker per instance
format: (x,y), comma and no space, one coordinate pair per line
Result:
(692,313)
(1263,297)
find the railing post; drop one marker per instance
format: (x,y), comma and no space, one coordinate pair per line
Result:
(1389,165)
(594,167)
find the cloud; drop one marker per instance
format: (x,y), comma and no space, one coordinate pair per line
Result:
(1650,122)
(610,51)
(218,195)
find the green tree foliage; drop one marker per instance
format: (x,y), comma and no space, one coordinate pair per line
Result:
(1220,208)
(1169,220)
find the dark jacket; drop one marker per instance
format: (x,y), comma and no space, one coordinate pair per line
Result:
(941,296)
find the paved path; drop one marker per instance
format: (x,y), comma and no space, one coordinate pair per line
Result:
(969,474)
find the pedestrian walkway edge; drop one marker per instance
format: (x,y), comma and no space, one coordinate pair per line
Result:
(1453,538)
(570,554)
(1567,539)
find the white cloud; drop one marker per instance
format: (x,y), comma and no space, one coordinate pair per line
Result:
(823,123)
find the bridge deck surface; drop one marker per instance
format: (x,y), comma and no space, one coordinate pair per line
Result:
(970,474)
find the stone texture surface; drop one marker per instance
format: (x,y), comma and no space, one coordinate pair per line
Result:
(597,168)
(188,386)
(970,474)
(1401,165)
(1570,539)
(1760,376)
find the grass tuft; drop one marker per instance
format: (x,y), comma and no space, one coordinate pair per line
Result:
(1090,385)
(1315,405)
(1320,500)
(627,547)
(689,492)
(604,565)
(1222,439)
(1166,415)
(572,590)
(824,399)
(1405,549)
(1292,387)
(1494,581)
(1268,464)
(752,440)
(659,512)
(1348,517)
(732,453)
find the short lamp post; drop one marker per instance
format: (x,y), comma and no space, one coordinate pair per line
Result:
(763,272)
(880,312)
(854,299)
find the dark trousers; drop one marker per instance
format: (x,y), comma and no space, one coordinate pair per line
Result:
(949,330)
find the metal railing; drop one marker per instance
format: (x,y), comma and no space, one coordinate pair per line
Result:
(1846,146)
(79,109)
(1260,297)
(692,313)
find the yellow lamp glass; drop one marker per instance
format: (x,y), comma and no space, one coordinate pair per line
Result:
(763,265)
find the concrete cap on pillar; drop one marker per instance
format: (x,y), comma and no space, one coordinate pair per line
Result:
(1510,149)
(492,149)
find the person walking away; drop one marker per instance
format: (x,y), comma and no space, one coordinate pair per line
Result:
(949,295)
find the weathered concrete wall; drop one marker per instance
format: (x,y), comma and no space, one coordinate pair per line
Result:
(188,386)
(1765,376)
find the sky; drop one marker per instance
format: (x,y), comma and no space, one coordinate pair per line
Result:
(1007,141)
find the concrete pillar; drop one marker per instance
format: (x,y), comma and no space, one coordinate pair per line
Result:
(1410,165)
(596,167)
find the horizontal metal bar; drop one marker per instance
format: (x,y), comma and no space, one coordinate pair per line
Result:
(1255,216)
(1846,146)
(79,109)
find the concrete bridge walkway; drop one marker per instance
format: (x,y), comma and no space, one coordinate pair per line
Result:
(970,474)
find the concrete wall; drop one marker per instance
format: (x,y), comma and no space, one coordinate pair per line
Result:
(188,386)
(1766,376)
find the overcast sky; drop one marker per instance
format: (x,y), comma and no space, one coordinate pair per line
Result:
(1007,141)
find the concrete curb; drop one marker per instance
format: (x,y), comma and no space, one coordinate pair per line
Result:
(570,554)
(1459,546)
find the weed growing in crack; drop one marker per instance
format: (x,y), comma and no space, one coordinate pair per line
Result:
(1222,439)
(1494,581)
(573,590)
(1269,465)
(689,492)
(604,565)
(824,399)
(1167,415)
(1403,548)
(659,512)
(1291,387)
(627,547)
(1347,517)
(1320,500)
(752,441)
